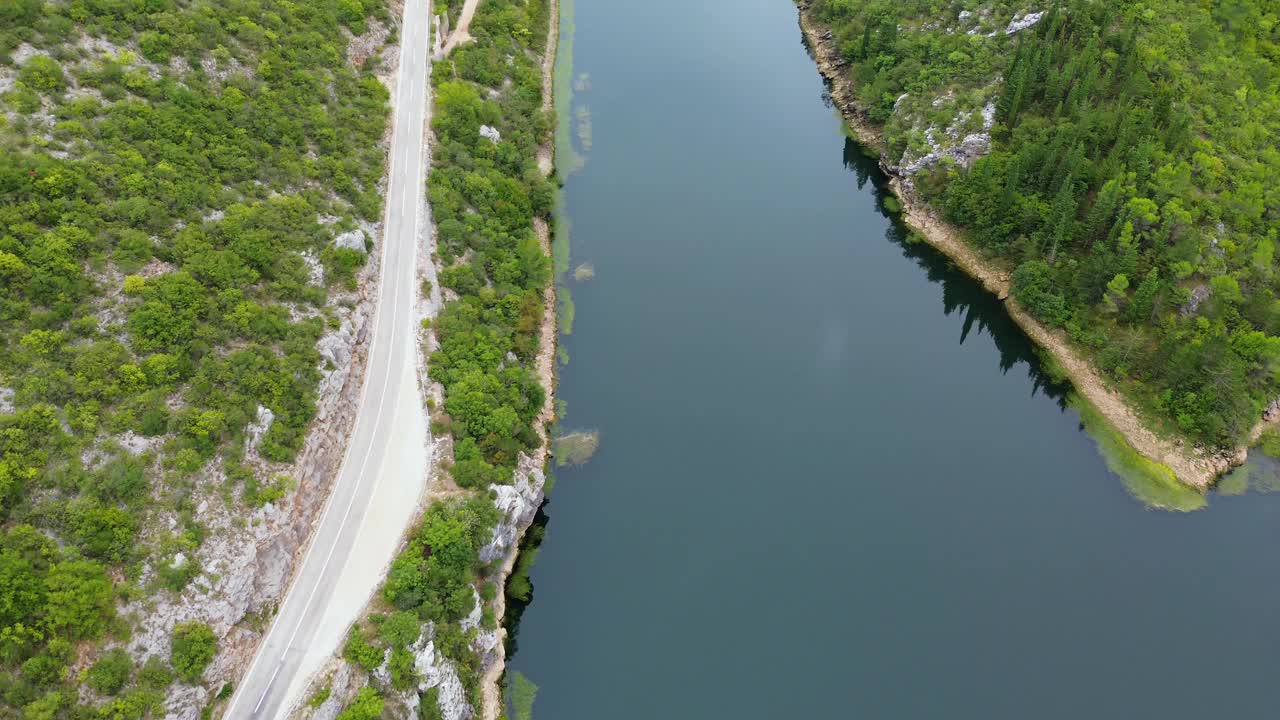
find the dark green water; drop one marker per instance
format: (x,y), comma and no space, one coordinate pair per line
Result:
(832,480)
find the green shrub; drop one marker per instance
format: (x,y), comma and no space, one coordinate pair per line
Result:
(192,647)
(110,673)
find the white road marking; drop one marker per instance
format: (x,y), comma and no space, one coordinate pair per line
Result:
(388,356)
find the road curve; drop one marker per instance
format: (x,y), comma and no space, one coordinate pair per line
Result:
(381,475)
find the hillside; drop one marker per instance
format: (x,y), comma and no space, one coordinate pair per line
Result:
(1115,158)
(187,192)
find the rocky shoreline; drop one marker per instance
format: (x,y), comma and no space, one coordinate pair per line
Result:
(1197,467)
(520,502)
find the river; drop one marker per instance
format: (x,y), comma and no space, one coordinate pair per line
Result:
(833,480)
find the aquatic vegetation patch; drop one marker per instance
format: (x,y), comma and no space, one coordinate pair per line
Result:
(523,693)
(584,272)
(575,448)
(1148,481)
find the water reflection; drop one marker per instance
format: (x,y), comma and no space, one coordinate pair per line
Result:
(1150,484)
(960,293)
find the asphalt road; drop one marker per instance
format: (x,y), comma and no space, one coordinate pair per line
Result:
(382,473)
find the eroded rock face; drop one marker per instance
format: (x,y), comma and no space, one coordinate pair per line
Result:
(184,702)
(258,428)
(518,502)
(437,672)
(340,688)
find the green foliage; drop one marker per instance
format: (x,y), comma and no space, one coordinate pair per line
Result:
(42,74)
(155,674)
(358,651)
(1270,443)
(429,705)
(1130,171)
(78,599)
(319,696)
(156,204)
(433,577)
(192,647)
(400,629)
(110,673)
(523,693)
(485,197)
(366,705)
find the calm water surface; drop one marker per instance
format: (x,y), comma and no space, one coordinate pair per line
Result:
(832,480)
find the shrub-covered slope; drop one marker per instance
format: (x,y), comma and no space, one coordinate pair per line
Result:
(173,174)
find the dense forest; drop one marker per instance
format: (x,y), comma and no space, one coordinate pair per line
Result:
(1129,184)
(173,174)
(485,190)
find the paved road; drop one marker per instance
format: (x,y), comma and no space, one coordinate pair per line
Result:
(381,475)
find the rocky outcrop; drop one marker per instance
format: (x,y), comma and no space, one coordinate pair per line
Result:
(952,144)
(436,671)
(490,133)
(518,503)
(342,684)
(254,433)
(1199,294)
(1018,24)
(353,240)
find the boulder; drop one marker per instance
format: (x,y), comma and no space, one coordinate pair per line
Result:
(353,240)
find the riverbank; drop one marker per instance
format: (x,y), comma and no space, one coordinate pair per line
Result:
(491,687)
(1194,466)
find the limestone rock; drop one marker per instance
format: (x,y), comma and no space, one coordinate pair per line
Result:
(272,570)
(1272,411)
(184,702)
(437,672)
(339,690)
(315,270)
(353,240)
(257,429)
(1024,22)
(518,503)
(1198,296)
(6,399)
(490,133)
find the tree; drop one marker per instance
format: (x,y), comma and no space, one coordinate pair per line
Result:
(79,599)
(192,647)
